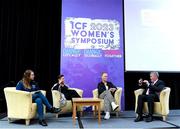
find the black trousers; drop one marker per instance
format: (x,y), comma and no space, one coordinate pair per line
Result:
(69,94)
(150,99)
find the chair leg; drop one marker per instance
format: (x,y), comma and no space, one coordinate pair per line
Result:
(117,114)
(164,118)
(57,115)
(81,113)
(94,113)
(27,122)
(9,120)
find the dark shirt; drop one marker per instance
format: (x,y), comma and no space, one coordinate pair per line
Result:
(101,87)
(68,93)
(20,86)
(63,89)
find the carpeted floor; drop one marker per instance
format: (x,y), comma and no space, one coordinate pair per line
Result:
(53,122)
(87,121)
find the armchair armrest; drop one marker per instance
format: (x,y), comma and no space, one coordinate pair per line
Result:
(56,98)
(137,93)
(43,92)
(19,103)
(164,100)
(79,91)
(118,95)
(95,93)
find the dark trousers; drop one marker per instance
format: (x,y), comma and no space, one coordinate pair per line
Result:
(69,94)
(150,99)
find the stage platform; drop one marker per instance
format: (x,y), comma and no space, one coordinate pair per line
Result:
(87,121)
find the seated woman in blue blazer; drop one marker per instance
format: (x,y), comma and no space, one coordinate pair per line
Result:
(27,84)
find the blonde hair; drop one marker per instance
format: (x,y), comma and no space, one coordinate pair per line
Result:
(103,73)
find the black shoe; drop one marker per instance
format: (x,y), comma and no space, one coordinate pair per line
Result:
(43,123)
(149,119)
(145,116)
(139,118)
(55,110)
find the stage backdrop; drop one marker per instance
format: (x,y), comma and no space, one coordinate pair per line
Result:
(92,43)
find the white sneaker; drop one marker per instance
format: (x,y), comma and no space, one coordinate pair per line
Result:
(114,106)
(107,116)
(75,117)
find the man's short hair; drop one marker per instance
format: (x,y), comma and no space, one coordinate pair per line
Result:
(156,73)
(60,76)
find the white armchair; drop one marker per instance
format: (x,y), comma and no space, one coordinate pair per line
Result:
(160,108)
(117,97)
(20,105)
(68,107)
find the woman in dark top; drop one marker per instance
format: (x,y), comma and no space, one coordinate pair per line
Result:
(63,88)
(27,84)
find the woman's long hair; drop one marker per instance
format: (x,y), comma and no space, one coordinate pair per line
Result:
(26,79)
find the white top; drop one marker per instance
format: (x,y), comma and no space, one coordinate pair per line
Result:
(106,86)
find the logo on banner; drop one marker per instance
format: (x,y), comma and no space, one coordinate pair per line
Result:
(96,37)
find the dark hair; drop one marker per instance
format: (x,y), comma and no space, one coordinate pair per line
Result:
(26,78)
(60,76)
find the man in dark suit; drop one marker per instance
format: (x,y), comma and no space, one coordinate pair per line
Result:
(150,95)
(106,91)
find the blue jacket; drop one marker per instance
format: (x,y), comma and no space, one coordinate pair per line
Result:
(20,86)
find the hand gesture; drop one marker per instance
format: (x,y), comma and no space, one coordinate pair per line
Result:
(112,89)
(146,81)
